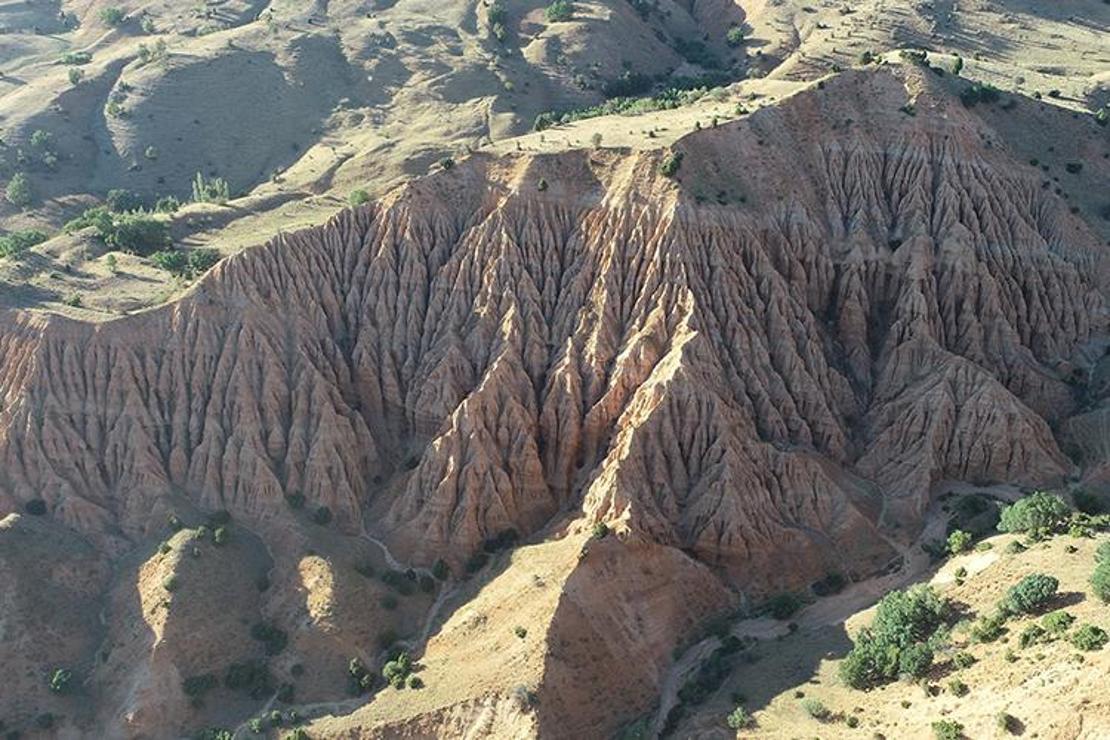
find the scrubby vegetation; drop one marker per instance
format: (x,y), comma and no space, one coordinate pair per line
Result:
(186,265)
(215,190)
(1090,637)
(18,191)
(1038,515)
(902,639)
(559,11)
(1031,594)
(19,241)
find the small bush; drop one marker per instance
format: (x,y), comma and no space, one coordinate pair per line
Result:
(600,531)
(520,632)
(738,719)
(959,541)
(61,680)
(947,729)
(956,687)
(215,190)
(358,197)
(76,58)
(963,659)
(784,606)
(1090,637)
(75,76)
(1057,622)
(670,164)
(1031,594)
(415,682)
(816,709)
(18,191)
(273,638)
(1031,635)
(111,16)
(1039,514)
(1100,579)
(397,670)
(735,36)
(1015,548)
(20,241)
(35,507)
(120,200)
(988,628)
(559,11)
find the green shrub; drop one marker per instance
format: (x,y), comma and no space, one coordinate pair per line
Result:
(784,605)
(963,659)
(358,197)
(735,36)
(815,708)
(1057,622)
(600,531)
(359,680)
(1031,635)
(671,163)
(948,729)
(120,200)
(215,190)
(75,76)
(220,536)
(520,632)
(273,638)
(134,233)
(19,241)
(558,11)
(61,680)
(1031,594)
(897,641)
(168,204)
(397,670)
(173,261)
(988,628)
(959,541)
(1039,514)
(738,719)
(956,687)
(111,16)
(76,58)
(1100,580)
(18,191)
(415,682)
(1089,637)
(1015,547)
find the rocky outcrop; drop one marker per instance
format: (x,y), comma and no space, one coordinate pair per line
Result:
(871,304)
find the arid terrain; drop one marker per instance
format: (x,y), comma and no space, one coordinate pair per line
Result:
(398,369)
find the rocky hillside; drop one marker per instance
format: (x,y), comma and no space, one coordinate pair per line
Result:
(753,357)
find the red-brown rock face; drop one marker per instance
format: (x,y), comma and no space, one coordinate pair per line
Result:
(763,361)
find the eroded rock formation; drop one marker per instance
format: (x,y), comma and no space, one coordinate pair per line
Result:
(766,362)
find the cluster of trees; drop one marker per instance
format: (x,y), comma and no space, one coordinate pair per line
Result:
(903,638)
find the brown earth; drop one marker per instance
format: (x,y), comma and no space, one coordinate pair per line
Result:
(757,372)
